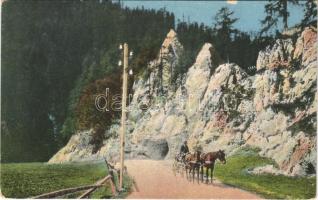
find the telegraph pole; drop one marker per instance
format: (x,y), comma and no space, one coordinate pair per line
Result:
(123,115)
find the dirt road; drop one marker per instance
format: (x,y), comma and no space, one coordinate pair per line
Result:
(155,179)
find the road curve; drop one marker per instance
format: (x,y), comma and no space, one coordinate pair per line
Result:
(155,179)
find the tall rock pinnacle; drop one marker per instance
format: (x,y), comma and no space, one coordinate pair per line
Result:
(163,68)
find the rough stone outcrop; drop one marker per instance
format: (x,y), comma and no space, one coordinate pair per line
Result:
(79,148)
(219,106)
(285,104)
(162,69)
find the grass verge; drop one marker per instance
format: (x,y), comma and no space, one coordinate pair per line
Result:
(21,180)
(234,173)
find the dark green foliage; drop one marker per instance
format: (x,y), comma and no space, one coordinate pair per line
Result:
(51,50)
(224,31)
(192,36)
(306,125)
(275,10)
(231,44)
(310,13)
(97,138)
(88,116)
(279,9)
(186,60)
(146,54)
(143,38)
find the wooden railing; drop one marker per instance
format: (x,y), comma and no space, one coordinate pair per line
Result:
(89,189)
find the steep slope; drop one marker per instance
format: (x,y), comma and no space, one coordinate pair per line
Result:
(221,107)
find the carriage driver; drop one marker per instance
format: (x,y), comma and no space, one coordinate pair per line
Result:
(184,150)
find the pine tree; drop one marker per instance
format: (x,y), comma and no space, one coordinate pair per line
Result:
(224,29)
(52,50)
(310,13)
(224,21)
(275,10)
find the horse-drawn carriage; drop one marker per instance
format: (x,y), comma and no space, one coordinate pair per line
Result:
(197,162)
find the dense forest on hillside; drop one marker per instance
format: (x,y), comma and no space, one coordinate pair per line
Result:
(56,55)
(50,51)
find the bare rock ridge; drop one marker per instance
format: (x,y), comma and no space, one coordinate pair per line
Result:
(219,106)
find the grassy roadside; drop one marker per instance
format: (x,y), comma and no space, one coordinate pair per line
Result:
(234,173)
(21,180)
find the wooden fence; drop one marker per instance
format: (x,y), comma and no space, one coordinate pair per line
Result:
(88,189)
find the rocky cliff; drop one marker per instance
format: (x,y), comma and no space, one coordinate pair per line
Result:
(219,106)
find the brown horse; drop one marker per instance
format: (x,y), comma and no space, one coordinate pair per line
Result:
(193,163)
(208,161)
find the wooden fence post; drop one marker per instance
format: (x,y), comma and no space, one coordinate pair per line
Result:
(112,181)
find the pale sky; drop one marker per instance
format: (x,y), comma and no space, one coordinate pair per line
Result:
(249,12)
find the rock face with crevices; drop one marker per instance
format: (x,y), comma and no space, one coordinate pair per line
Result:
(162,69)
(219,106)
